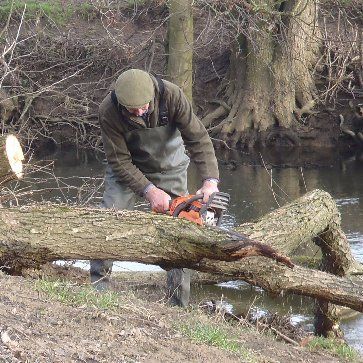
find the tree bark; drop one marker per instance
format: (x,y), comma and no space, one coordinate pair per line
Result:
(8,105)
(42,233)
(34,235)
(270,75)
(180,45)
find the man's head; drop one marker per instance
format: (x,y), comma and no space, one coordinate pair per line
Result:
(134,90)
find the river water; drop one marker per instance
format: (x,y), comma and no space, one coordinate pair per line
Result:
(255,190)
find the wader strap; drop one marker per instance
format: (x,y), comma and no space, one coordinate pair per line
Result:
(114,99)
(163,112)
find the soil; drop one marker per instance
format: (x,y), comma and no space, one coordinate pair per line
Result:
(37,327)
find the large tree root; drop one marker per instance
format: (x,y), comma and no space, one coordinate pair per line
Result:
(219,112)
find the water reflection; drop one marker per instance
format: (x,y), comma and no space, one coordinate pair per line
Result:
(245,297)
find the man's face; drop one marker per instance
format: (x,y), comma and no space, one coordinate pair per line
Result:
(139,111)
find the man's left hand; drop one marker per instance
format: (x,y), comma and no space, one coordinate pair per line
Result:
(209,187)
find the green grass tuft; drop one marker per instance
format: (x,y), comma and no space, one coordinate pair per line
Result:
(52,10)
(71,294)
(216,336)
(335,347)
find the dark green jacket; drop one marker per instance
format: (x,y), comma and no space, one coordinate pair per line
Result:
(115,123)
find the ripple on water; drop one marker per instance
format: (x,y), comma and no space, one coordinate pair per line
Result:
(353,332)
(356,244)
(235,284)
(346,201)
(118,266)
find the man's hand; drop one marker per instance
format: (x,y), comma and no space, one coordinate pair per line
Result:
(158,199)
(209,187)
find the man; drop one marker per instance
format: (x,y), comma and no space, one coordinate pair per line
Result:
(145,123)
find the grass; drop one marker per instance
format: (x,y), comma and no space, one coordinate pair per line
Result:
(59,12)
(215,335)
(70,294)
(340,349)
(348,4)
(51,9)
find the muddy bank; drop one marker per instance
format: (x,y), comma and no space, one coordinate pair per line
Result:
(43,321)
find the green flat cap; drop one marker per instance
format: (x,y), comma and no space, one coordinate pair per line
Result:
(134,88)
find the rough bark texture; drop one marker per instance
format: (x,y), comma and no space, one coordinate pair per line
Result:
(35,235)
(180,44)
(337,257)
(8,106)
(45,233)
(270,75)
(314,217)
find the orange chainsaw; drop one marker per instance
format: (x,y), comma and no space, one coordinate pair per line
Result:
(192,208)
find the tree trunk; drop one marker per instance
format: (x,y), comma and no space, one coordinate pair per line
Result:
(39,234)
(180,45)
(270,75)
(8,105)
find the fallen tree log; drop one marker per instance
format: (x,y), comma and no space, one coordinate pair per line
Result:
(38,234)
(34,235)
(325,233)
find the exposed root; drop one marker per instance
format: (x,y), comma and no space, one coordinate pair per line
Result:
(344,127)
(355,127)
(235,136)
(215,115)
(279,136)
(305,109)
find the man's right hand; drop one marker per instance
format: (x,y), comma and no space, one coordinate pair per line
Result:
(158,199)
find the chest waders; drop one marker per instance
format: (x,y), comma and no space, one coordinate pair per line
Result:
(160,154)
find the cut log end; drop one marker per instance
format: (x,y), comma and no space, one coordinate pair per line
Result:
(14,155)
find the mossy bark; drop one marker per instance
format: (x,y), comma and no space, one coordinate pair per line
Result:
(270,76)
(180,45)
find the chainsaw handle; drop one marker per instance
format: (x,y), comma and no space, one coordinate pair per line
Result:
(183,205)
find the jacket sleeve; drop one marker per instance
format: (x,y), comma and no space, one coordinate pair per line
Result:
(194,134)
(119,158)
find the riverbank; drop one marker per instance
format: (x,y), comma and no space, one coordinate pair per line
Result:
(251,197)
(60,319)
